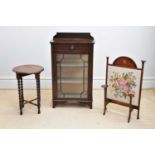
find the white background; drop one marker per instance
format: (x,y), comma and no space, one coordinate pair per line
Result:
(77,13)
(30,45)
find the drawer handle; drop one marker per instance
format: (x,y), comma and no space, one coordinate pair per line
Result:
(72,47)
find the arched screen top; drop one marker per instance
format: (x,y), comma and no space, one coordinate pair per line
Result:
(124,62)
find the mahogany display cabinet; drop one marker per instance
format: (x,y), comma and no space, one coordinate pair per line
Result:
(72,68)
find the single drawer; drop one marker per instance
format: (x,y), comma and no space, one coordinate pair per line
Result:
(70,47)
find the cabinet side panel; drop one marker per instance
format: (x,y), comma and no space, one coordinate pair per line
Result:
(90,72)
(54,73)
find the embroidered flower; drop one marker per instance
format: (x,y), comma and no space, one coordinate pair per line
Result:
(122,84)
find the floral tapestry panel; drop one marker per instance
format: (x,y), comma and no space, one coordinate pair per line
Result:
(122,82)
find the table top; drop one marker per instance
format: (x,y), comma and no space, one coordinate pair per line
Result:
(28,69)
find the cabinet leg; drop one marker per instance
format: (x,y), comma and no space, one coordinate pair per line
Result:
(90,105)
(54,104)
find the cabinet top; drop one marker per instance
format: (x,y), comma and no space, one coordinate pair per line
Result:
(72,38)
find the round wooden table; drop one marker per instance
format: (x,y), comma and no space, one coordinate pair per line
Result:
(25,70)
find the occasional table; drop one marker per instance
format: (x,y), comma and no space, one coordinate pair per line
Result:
(25,70)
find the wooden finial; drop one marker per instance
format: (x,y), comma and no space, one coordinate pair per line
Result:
(143,62)
(107,59)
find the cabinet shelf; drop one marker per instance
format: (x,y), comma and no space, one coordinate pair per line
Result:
(72,80)
(71,65)
(72,95)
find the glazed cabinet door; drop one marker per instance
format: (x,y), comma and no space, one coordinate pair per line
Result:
(72,76)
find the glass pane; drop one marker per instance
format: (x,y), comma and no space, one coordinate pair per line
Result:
(72,73)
